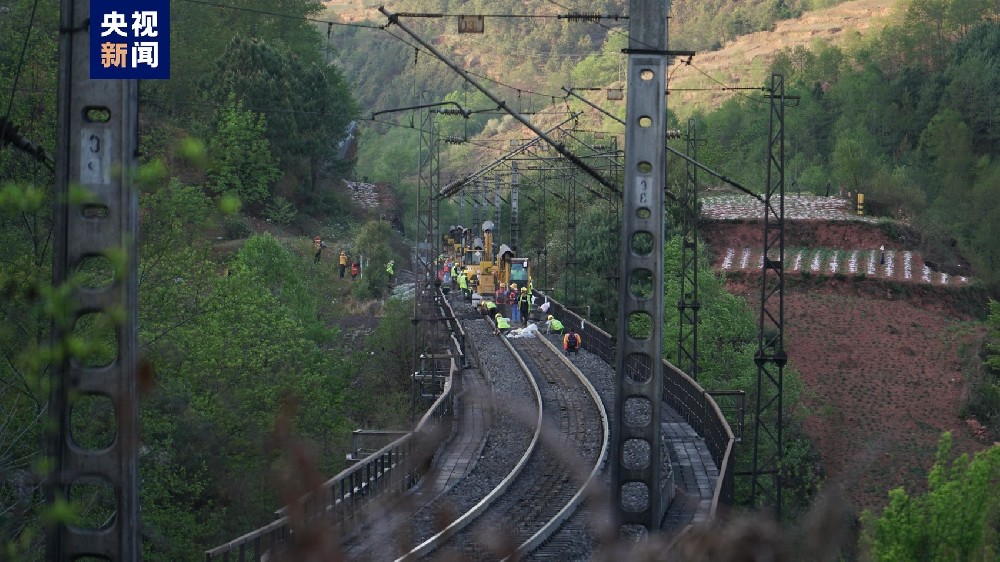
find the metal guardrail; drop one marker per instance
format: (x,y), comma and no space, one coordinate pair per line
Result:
(343,499)
(680,391)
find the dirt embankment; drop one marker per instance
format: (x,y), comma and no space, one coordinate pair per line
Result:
(881,359)
(804,233)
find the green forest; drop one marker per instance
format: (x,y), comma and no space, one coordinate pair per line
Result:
(238,328)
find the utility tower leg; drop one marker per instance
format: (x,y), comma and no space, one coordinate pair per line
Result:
(639,491)
(95,152)
(765,484)
(688,306)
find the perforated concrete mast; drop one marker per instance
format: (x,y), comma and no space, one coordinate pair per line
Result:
(636,462)
(95,152)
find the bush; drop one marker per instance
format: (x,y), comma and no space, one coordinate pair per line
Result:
(954,520)
(813,179)
(280,211)
(890,194)
(236,227)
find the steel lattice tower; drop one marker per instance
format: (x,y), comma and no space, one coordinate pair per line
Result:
(614,220)
(688,305)
(497,202)
(569,271)
(477,199)
(515,192)
(426,328)
(765,486)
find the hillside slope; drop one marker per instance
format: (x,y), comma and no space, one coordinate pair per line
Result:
(880,357)
(745,61)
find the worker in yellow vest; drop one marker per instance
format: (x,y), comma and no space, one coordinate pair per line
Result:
(503,325)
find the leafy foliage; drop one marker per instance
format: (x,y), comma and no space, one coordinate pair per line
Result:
(280,211)
(307,105)
(243,162)
(379,394)
(903,123)
(955,520)
(237,348)
(984,384)
(373,242)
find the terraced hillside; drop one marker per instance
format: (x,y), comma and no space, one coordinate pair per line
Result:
(879,345)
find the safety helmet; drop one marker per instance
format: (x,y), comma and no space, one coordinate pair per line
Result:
(497,315)
(550,317)
(513,285)
(524,289)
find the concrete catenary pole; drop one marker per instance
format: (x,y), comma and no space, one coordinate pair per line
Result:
(94,227)
(640,492)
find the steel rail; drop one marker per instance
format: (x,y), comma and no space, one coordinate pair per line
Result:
(468,517)
(569,509)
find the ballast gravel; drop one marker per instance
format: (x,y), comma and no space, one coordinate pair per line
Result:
(509,436)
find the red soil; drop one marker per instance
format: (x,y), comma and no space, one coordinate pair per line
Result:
(800,233)
(880,362)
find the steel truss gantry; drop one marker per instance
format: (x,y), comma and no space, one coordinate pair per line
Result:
(765,485)
(688,305)
(427,330)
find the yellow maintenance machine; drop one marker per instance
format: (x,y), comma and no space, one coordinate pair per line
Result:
(486,271)
(455,240)
(512,269)
(478,261)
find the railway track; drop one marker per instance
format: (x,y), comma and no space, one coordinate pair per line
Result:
(550,481)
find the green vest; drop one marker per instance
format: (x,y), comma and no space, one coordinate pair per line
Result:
(502,323)
(555,325)
(463,281)
(490,306)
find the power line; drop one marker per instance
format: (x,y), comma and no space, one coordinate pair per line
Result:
(726,87)
(8,132)
(280,15)
(214,105)
(417,48)
(592,18)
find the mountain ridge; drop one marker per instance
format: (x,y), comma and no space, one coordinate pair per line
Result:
(744,61)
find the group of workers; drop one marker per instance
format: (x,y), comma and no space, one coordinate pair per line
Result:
(453,274)
(571,340)
(513,300)
(518,302)
(342,261)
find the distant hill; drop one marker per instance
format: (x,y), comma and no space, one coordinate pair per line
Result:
(744,62)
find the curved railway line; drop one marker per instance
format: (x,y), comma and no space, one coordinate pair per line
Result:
(550,481)
(503,462)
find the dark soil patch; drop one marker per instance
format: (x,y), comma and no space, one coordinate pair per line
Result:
(799,233)
(879,360)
